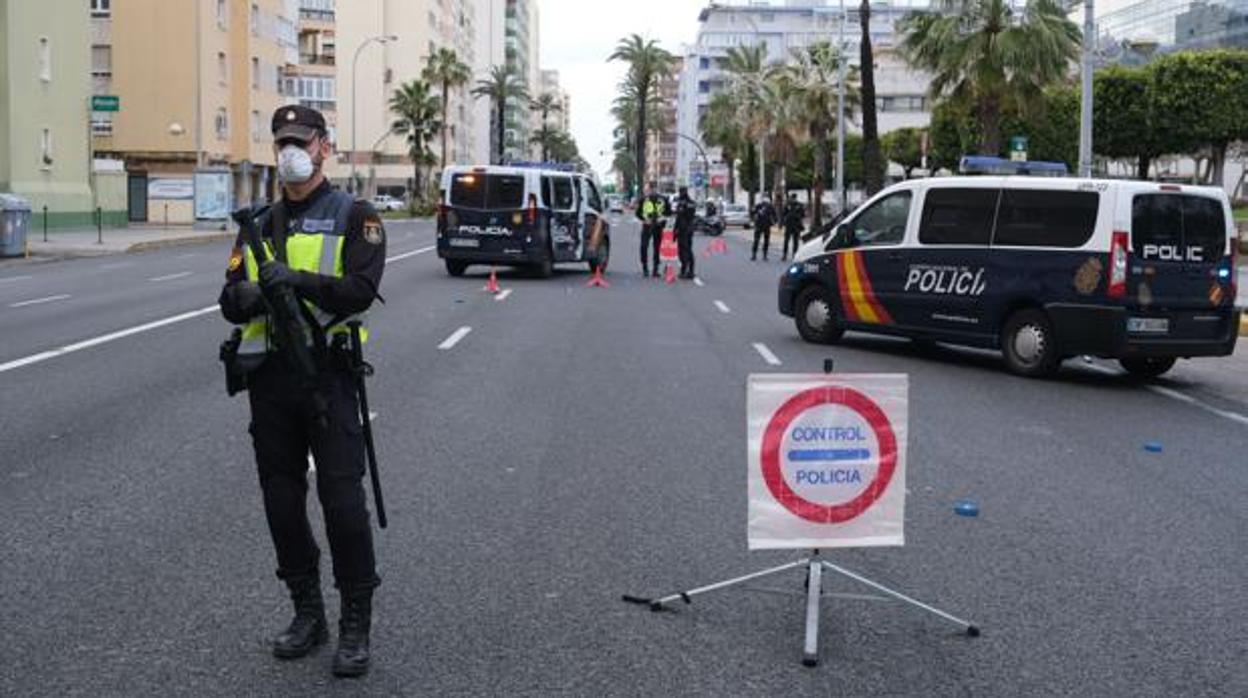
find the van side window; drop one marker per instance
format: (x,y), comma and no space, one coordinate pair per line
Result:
(564,199)
(1040,218)
(885,222)
(548,195)
(958,216)
(595,202)
(1176,220)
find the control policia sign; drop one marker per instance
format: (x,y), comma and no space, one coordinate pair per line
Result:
(827,460)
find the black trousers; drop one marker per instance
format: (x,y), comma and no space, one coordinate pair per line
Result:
(764,233)
(684,242)
(651,235)
(791,234)
(284,431)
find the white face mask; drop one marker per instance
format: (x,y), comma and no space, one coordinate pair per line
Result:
(294,165)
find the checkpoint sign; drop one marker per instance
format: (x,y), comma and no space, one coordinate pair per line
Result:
(827,460)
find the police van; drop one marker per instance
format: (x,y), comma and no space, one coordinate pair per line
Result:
(524,216)
(1041,268)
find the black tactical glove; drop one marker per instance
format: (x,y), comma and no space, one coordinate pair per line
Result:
(275,273)
(248,298)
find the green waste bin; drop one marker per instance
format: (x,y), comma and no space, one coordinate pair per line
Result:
(14,222)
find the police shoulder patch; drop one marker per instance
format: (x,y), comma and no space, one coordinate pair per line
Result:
(373,232)
(236,259)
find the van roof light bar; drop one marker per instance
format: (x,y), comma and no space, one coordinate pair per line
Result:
(988,165)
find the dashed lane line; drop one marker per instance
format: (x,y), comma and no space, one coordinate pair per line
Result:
(413,253)
(9,279)
(723,307)
(768,356)
(1179,396)
(697,280)
(502,295)
(171,277)
(40,301)
(450,342)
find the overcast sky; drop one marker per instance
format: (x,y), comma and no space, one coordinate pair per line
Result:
(576,38)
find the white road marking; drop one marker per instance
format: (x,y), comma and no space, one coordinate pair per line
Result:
(413,253)
(38,301)
(697,280)
(13,278)
(723,307)
(187,255)
(502,295)
(103,339)
(450,342)
(372,417)
(171,277)
(764,352)
(116,265)
(1179,396)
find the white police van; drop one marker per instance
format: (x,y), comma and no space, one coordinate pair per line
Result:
(1041,268)
(521,215)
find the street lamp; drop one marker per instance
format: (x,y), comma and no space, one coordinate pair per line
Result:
(1085,110)
(706,166)
(840,115)
(354,60)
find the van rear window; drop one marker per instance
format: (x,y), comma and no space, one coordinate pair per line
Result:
(958,216)
(487,191)
(1037,218)
(1169,226)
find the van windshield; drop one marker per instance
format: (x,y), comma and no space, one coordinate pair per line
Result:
(487,191)
(1177,226)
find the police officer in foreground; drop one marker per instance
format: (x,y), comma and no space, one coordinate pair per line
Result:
(685,212)
(794,212)
(331,250)
(653,211)
(764,218)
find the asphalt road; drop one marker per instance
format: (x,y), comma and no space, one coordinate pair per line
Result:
(575,444)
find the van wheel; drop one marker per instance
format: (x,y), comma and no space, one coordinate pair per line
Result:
(1029,344)
(816,320)
(455,267)
(1147,366)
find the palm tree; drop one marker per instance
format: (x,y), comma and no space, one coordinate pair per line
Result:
(748,75)
(502,85)
(873,169)
(722,128)
(647,63)
(545,103)
(815,73)
(417,111)
(444,68)
(784,124)
(989,53)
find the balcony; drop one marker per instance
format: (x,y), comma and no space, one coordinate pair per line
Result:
(316,59)
(312,15)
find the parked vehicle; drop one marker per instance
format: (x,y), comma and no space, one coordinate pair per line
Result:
(385,202)
(736,214)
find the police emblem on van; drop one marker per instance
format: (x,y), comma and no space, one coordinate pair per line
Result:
(1089,276)
(945,280)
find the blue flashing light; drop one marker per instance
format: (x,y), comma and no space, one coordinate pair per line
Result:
(1224,273)
(987,165)
(795,269)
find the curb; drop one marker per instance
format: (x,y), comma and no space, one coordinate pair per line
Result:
(180,241)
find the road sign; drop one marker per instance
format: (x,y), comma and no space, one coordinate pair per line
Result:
(105,103)
(1018,148)
(827,458)
(697,179)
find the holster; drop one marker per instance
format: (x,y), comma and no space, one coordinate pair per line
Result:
(235,376)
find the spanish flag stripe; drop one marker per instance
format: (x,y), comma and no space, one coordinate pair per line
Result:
(842,280)
(853,265)
(869,292)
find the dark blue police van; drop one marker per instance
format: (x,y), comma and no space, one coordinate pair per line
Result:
(1041,268)
(521,216)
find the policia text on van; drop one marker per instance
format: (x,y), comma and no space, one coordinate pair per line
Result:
(1043,269)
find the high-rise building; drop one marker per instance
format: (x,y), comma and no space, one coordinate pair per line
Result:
(372,69)
(312,80)
(661,146)
(1168,25)
(559,120)
(491,51)
(196,91)
(901,92)
(44,58)
(521,48)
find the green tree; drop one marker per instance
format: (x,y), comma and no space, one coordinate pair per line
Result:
(904,146)
(1200,101)
(648,63)
(784,126)
(1051,127)
(748,76)
(1122,122)
(416,110)
(545,103)
(502,85)
(815,73)
(721,129)
(873,168)
(989,53)
(443,68)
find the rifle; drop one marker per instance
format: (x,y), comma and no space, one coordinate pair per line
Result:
(361,369)
(286,318)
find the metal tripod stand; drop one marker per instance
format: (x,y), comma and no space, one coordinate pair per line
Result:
(814,590)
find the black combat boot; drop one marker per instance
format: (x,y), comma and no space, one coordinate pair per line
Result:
(308,628)
(352,657)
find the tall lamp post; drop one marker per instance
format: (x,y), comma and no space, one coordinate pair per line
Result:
(1085,111)
(840,114)
(354,60)
(706,166)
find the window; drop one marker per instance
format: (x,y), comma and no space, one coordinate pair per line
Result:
(1178,220)
(45,148)
(223,124)
(101,8)
(223,15)
(958,216)
(101,61)
(482,191)
(257,129)
(885,222)
(255,20)
(1039,218)
(223,68)
(704,63)
(565,200)
(704,87)
(595,201)
(255,73)
(45,59)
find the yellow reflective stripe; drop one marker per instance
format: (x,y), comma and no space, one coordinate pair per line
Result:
(303,252)
(856,294)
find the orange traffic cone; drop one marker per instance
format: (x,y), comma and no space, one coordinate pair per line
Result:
(491,286)
(597,279)
(669,274)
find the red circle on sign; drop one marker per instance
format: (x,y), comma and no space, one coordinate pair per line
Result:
(774,436)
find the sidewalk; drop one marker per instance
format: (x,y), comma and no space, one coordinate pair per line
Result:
(66,244)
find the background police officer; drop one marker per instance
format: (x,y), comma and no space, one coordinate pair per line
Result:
(794,212)
(331,250)
(652,210)
(685,211)
(764,218)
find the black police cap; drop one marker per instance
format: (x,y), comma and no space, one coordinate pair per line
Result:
(297,122)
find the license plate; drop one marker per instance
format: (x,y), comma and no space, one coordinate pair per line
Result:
(1148,325)
(465,242)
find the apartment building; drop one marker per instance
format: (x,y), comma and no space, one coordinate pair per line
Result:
(559,120)
(196,91)
(662,145)
(312,81)
(521,48)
